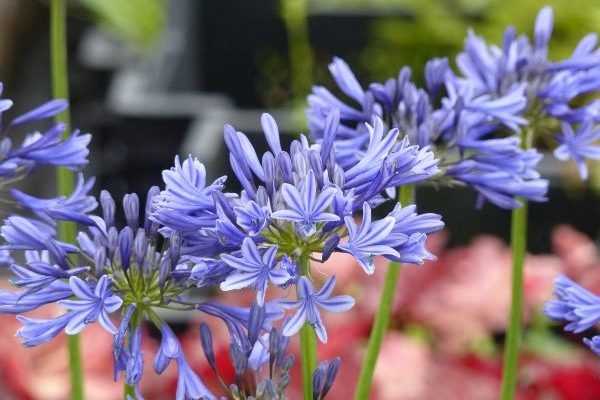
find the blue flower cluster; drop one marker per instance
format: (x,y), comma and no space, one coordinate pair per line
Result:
(326,193)
(38,148)
(474,119)
(295,206)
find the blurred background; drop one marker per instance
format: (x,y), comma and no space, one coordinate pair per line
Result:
(154,78)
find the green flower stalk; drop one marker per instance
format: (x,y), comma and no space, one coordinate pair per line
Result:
(64,178)
(382,318)
(514,333)
(308,344)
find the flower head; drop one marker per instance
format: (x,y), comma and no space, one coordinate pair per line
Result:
(579,146)
(305,207)
(308,304)
(573,304)
(255,270)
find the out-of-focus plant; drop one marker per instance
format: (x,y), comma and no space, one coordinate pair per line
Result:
(137,21)
(423,29)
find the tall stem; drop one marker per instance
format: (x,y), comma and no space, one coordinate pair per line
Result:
(382,318)
(518,239)
(308,343)
(295,17)
(128,392)
(64,178)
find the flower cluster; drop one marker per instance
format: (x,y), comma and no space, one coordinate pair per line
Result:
(326,193)
(38,148)
(294,205)
(475,119)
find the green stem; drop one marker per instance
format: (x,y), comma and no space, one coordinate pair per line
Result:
(75,367)
(64,178)
(518,239)
(308,343)
(295,17)
(382,318)
(513,336)
(301,60)
(128,392)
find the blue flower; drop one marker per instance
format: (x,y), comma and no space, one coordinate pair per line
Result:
(409,235)
(308,305)
(322,101)
(436,73)
(505,109)
(543,31)
(593,344)
(576,306)
(5,104)
(135,363)
(573,304)
(252,217)
(39,274)
(324,376)
(73,208)
(565,88)
(44,111)
(500,178)
(187,202)
(305,207)
(120,352)
(186,188)
(91,306)
(189,385)
(50,148)
(579,146)
(368,240)
(37,331)
(254,270)
(27,300)
(24,234)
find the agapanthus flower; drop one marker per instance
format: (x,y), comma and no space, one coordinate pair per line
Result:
(261,362)
(367,240)
(308,304)
(551,87)
(73,208)
(306,207)
(464,121)
(579,145)
(131,268)
(478,112)
(324,376)
(254,269)
(38,149)
(576,306)
(295,204)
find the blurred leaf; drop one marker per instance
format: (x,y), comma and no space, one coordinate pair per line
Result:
(137,21)
(549,346)
(422,29)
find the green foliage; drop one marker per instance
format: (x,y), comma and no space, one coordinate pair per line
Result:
(137,21)
(422,29)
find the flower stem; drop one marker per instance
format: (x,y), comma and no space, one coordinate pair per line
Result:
(518,239)
(64,178)
(75,367)
(128,392)
(295,16)
(513,336)
(308,343)
(382,318)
